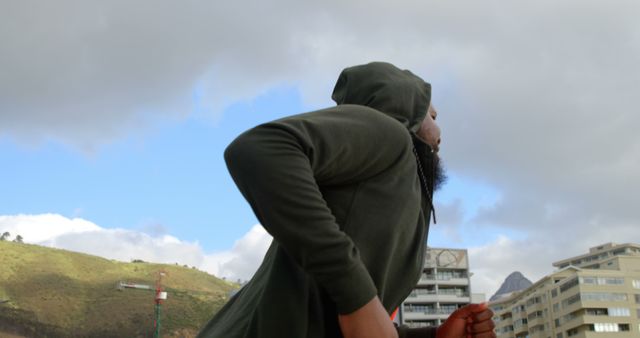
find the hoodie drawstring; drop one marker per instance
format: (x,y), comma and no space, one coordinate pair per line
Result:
(423,179)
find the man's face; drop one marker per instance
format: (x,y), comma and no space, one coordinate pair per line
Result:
(429,131)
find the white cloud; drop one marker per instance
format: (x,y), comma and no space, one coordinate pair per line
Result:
(126,245)
(240,262)
(40,228)
(243,259)
(86,72)
(492,262)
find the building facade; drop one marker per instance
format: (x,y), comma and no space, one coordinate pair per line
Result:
(443,288)
(592,295)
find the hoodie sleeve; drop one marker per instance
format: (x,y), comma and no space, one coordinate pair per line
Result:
(279,167)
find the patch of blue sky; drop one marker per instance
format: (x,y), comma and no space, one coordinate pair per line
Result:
(472,194)
(184,181)
(172,177)
(471,197)
(31,176)
(464,236)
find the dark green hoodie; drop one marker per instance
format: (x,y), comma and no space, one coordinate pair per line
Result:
(339,192)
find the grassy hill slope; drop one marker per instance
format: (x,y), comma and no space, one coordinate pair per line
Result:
(48,292)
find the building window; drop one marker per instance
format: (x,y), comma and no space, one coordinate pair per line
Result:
(534,315)
(454,291)
(505,316)
(508,328)
(448,308)
(619,252)
(534,300)
(569,284)
(416,308)
(612,281)
(637,299)
(601,280)
(559,335)
(554,293)
(520,322)
(422,292)
(573,299)
(588,280)
(597,297)
(518,309)
(596,312)
(450,274)
(537,328)
(420,323)
(612,312)
(608,327)
(605,296)
(572,332)
(636,283)
(619,312)
(570,317)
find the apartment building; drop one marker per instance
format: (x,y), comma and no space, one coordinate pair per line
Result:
(593,295)
(443,288)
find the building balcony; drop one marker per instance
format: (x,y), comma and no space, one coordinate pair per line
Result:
(536,321)
(442,280)
(433,297)
(413,314)
(520,328)
(503,323)
(453,298)
(426,281)
(423,316)
(535,307)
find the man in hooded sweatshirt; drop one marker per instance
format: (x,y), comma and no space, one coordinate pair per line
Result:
(346,192)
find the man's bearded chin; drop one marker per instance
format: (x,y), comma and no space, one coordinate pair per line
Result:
(434,171)
(439,175)
(431,166)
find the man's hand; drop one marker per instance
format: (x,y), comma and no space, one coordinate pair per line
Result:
(369,321)
(473,320)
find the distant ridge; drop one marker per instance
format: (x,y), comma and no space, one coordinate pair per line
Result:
(514,282)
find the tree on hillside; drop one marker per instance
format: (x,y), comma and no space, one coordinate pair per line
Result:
(18,239)
(5,235)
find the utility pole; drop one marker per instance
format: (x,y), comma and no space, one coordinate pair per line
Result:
(160,296)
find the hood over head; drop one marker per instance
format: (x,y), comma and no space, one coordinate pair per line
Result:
(384,87)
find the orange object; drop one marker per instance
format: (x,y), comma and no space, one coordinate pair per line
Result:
(395,312)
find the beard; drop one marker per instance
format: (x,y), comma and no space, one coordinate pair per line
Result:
(431,165)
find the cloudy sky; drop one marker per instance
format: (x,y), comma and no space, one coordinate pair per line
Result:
(114,117)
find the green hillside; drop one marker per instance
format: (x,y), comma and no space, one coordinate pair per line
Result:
(48,292)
